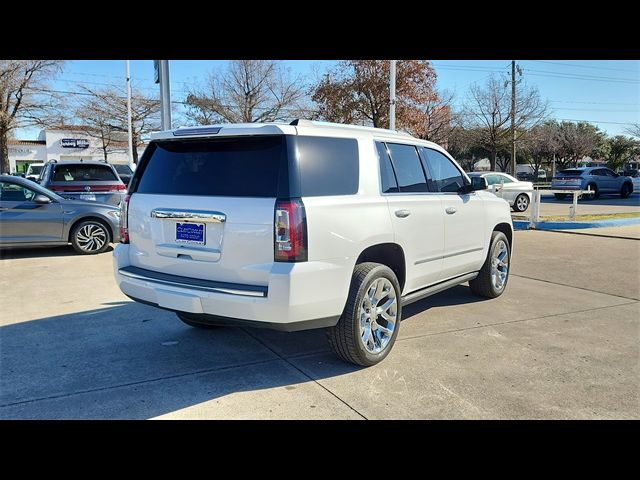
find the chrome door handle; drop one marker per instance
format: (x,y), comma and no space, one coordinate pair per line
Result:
(402,213)
(451,210)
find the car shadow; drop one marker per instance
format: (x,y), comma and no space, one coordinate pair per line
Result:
(13,253)
(129,360)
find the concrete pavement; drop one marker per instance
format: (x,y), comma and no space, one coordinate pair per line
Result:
(562,342)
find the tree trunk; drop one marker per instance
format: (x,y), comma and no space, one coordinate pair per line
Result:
(4,150)
(134,148)
(104,153)
(494,156)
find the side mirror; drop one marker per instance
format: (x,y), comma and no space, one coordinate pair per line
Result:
(41,199)
(479,183)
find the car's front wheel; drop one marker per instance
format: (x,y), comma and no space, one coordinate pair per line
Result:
(370,322)
(494,274)
(90,237)
(521,203)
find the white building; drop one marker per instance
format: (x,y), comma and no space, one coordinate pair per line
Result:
(65,143)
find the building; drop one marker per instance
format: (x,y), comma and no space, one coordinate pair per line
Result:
(66,143)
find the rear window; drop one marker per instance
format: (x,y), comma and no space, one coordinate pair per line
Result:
(83,173)
(232,167)
(573,173)
(122,169)
(328,166)
(35,169)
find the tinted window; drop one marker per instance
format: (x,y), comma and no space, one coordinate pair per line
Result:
(11,192)
(35,169)
(123,169)
(406,164)
(574,173)
(608,173)
(444,174)
(328,166)
(233,167)
(83,173)
(387,177)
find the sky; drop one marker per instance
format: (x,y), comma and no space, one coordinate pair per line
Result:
(604,92)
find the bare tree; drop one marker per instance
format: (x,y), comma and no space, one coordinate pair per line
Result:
(110,115)
(542,145)
(22,85)
(634,130)
(488,108)
(439,119)
(578,140)
(98,122)
(247,91)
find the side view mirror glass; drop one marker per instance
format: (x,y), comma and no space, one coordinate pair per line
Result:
(41,199)
(479,183)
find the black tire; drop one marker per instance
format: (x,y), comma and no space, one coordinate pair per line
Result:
(483,284)
(90,237)
(560,196)
(191,319)
(344,338)
(521,199)
(626,190)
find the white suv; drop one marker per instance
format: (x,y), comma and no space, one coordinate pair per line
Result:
(306,225)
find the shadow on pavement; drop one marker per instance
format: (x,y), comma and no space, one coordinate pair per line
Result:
(38,252)
(129,360)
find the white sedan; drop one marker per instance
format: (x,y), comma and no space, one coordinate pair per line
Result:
(517,193)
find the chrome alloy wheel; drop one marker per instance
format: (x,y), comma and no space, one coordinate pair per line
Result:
(91,237)
(522,202)
(499,265)
(378,314)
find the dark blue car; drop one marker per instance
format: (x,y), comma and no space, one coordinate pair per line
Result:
(597,179)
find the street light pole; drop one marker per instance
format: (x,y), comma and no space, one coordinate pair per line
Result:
(129,113)
(165,94)
(513,118)
(392,95)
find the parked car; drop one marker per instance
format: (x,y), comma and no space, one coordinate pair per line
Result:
(34,170)
(31,215)
(90,180)
(307,225)
(635,178)
(514,191)
(527,173)
(597,179)
(124,172)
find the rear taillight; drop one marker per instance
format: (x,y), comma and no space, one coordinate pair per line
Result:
(121,187)
(290,224)
(124,220)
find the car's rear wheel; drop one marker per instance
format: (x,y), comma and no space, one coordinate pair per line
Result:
(370,322)
(191,319)
(90,237)
(560,196)
(521,203)
(626,190)
(494,274)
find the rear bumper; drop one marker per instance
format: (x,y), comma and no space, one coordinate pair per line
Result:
(565,187)
(298,296)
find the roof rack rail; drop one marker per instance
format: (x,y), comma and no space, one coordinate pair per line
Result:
(316,123)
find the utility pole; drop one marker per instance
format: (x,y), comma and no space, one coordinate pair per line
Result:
(165,94)
(513,118)
(392,95)
(129,114)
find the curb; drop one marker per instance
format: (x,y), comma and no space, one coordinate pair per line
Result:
(525,224)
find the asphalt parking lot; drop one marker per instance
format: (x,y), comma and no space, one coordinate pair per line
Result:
(603,205)
(562,342)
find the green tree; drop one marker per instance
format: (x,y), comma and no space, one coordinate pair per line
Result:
(620,150)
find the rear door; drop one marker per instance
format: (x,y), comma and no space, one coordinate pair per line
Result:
(205,208)
(416,215)
(24,221)
(464,237)
(610,180)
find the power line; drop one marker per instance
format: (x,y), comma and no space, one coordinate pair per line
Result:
(585,66)
(594,103)
(547,73)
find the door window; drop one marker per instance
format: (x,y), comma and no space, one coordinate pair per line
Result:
(387,177)
(406,164)
(11,192)
(445,176)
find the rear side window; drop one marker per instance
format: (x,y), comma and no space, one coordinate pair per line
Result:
(83,173)
(406,164)
(387,177)
(327,166)
(445,176)
(231,167)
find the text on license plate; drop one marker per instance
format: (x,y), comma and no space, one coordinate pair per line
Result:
(190,233)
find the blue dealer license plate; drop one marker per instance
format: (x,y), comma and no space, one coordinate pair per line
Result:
(190,233)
